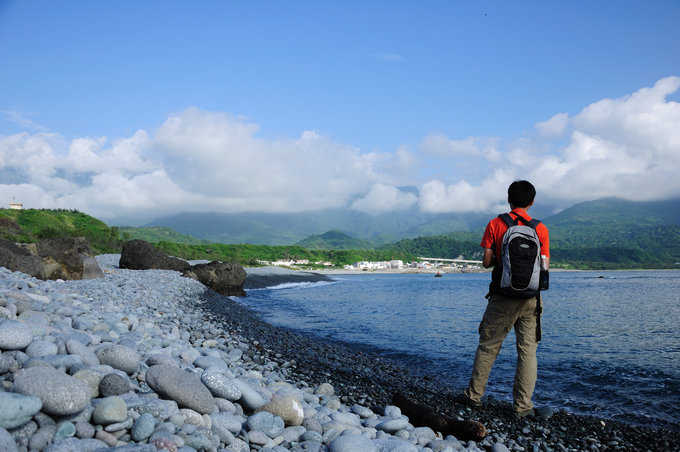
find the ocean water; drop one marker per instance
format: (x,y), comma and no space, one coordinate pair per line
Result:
(611,339)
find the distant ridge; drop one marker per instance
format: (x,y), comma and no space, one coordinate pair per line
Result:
(335,240)
(291,228)
(294,228)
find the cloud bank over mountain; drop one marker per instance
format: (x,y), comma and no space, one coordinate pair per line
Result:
(200,160)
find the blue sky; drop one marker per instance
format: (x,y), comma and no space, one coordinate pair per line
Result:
(129,110)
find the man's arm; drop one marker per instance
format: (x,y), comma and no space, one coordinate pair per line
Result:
(488,259)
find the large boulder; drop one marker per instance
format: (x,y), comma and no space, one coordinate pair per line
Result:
(68,258)
(226,278)
(19,259)
(141,255)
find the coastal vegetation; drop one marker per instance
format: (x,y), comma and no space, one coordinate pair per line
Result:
(605,234)
(33,225)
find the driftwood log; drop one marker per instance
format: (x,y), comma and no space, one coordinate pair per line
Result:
(423,416)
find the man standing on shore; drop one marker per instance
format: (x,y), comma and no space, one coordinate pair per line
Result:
(505,313)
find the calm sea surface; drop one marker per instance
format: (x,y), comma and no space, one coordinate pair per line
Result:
(611,340)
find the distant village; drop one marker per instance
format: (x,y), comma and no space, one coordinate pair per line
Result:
(422,264)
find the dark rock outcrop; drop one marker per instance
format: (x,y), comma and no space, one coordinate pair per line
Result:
(424,416)
(222,277)
(141,255)
(20,259)
(59,258)
(68,258)
(226,278)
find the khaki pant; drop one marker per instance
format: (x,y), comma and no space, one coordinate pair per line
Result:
(502,314)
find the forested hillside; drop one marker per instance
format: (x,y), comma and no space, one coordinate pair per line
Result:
(603,234)
(32,225)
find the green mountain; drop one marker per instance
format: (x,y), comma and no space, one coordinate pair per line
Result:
(158,234)
(288,229)
(335,240)
(603,234)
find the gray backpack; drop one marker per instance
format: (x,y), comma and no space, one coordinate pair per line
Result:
(519,266)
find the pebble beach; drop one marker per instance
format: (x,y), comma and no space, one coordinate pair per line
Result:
(147,360)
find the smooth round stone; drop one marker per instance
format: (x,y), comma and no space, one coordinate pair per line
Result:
(287,408)
(76,347)
(198,441)
(161,359)
(143,427)
(65,430)
(84,430)
(38,349)
(205,362)
(228,421)
(250,399)
(220,386)
(544,412)
(119,357)
(182,387)
(392,425)
(267,423)
(60,394)
(17,409)
(352,443)
(113,384)
(91,378)
(66,361)
(14,335)
(43,437)
(72,444)
(109,411)
(7,443)
(7,314)
(346,418)
(325,389)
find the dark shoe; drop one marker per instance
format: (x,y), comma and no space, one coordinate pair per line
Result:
(525,413)
(462,399)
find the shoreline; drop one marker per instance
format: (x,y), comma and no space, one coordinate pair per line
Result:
(170,319)
(357,357)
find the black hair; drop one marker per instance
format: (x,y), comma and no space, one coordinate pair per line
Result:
(521,193)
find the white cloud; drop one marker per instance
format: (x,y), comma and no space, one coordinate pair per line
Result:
(553,127)
(627,147)
(206,161)
(220,157)
(384,198)
(438,145)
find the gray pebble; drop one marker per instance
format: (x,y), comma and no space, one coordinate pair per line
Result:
(113,384)
(182,387)
(143,427)
(14,335)
(119,357)
(265,422)
(17,409)
(60,394)
(43,437)
(39,348)
(109,411)
(352,443)
(7,443)
(220,386)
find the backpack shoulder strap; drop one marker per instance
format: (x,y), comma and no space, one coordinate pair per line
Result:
(509,221)
(531,223)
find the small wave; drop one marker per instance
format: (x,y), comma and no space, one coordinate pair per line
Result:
(295,285)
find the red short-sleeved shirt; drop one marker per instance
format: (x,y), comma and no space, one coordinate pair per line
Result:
(497,227)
